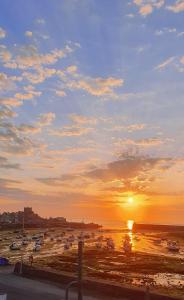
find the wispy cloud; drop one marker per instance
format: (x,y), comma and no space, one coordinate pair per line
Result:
(166,63)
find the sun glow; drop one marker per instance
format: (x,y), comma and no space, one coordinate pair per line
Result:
(130,200)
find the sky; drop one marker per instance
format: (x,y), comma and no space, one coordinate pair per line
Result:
(91,109)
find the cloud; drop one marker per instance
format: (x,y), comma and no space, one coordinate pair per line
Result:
(2,33)
(165,63)
(10,102)
(40,75)
(144,142)
(97,86)
(5,55)
(28,33)
(5,164)
(25,128)
(13,140)
(60,93)
(146,7)
(146,10)
(70,131)
(71,69)
(80,119)
(46,119)
(165,30)
(129,173)
(40,21)
(177,7)
(5,112)
(6,83)
(30,58)
(129,128)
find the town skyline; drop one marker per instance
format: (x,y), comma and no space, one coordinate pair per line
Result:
(91,109)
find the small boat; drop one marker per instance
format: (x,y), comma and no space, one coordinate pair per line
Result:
(25,243)
(110,244)
(173,246)
(127,246)
(14,246)
(66,246)
(39,242)
(36,247)
(4,261)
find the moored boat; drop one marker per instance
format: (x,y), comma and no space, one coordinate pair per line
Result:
(14,246)
(173,246)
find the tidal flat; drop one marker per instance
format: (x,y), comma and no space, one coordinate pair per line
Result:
(160,273)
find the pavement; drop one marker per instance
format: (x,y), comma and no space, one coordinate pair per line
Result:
(20,288)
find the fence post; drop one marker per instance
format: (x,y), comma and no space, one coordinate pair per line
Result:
(80,256)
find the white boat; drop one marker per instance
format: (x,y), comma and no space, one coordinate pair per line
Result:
(39,242)
(173,246)
(36,248)
(14,246)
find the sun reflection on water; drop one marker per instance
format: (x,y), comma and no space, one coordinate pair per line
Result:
(130,224)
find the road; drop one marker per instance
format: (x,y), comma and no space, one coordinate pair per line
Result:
(20,288)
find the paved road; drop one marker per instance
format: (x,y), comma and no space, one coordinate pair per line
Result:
(19,288)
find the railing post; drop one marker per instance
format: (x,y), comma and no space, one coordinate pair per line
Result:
(80,257)
(79,274)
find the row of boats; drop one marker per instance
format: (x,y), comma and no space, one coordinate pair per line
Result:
(109,244)
(172,246)
(100,241)
(38,240)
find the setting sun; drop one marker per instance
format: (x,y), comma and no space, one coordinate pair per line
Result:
(130,200)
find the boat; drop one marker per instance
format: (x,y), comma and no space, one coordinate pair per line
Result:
(36,247)
(4,261)
(14,246)
(25,242)
(66,246)
(110,244)
(127,246)
(173,246)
